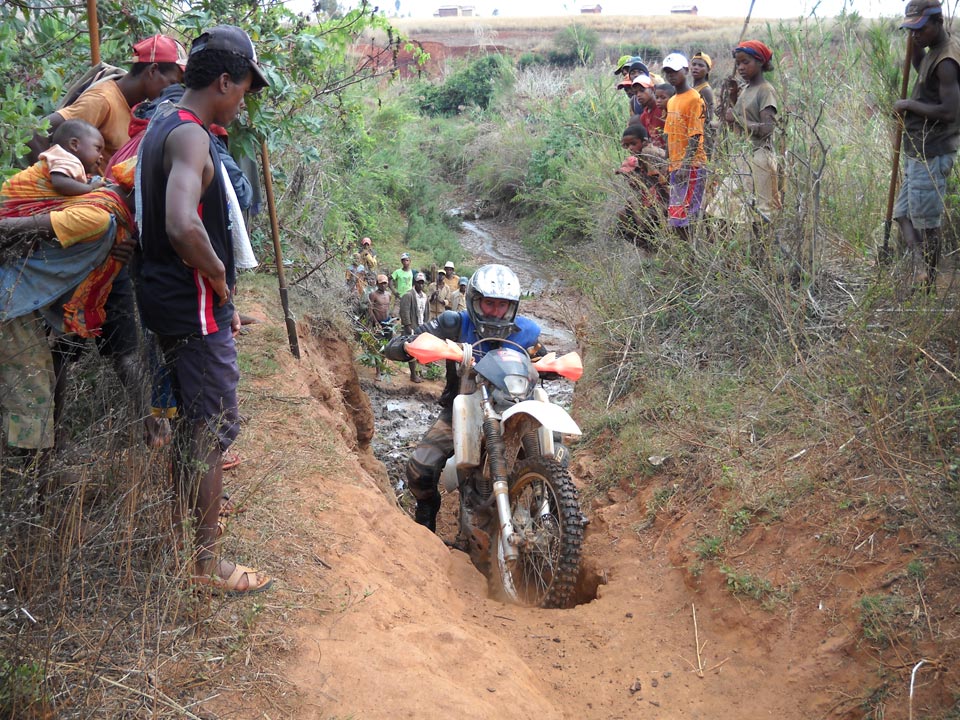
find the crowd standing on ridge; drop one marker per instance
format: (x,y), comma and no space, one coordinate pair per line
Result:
(672,135)
(694,154)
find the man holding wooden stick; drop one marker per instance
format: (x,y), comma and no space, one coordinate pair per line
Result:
(931,121)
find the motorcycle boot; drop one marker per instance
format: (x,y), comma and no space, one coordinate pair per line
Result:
(427,510)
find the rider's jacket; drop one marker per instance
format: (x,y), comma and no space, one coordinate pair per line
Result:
(458,327)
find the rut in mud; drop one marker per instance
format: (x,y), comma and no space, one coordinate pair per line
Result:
(383,620)
(404,412)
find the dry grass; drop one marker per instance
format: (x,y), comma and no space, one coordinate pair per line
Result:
(97,619)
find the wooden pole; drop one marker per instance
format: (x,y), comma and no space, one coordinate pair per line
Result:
(884,254)
(725,89)
(275,229)
(94,26)
(746,22)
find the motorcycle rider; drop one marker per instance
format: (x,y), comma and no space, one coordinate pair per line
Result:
(492,298)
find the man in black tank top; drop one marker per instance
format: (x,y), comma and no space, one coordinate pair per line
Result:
(185,281)
(931,121)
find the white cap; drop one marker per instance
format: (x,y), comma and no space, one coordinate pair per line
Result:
(675,61)
(420,277)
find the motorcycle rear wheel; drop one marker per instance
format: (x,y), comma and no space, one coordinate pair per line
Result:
(546,513)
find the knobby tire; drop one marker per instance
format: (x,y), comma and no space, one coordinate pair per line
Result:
(546,572)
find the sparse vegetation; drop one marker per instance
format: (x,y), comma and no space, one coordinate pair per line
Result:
(758,588)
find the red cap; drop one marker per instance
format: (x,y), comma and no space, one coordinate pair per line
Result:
(160,49)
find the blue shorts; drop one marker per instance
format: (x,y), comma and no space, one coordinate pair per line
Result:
(205,376)
(923,189)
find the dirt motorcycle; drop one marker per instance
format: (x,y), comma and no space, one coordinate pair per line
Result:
(520,516)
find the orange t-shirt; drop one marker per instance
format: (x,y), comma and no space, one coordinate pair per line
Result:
(104,107)
(686,113)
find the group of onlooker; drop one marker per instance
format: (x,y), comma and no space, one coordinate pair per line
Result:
(672,136)
(127,228)
(412,296)
(677,140)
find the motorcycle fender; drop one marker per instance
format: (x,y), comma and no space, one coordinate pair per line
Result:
(467,430)
(553,417)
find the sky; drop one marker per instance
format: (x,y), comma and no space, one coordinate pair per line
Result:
(710,8)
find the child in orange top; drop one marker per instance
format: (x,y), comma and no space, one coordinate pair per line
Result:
(685,147)
(74,155)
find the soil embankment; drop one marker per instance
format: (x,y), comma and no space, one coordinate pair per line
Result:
(374,617)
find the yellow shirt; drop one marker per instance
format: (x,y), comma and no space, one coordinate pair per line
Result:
(686,113)
(104,107)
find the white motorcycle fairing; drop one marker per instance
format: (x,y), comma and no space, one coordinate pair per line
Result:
(468,430)
(553,417)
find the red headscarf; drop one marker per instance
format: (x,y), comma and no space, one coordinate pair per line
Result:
(755,48)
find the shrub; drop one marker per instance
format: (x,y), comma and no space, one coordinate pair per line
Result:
(573,45)
(473,84)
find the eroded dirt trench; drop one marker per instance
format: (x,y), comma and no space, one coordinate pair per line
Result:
(635,649)
(387,621)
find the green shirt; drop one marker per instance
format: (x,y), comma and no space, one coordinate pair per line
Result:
(402,281)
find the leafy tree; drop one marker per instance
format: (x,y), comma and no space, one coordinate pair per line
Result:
(310,65)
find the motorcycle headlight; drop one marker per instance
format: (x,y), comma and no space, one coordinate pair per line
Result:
(517,385)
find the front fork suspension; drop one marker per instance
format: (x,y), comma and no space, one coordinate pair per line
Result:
(496,457)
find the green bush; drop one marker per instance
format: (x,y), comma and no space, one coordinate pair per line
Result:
(572,46)
(473,84)
(529,59)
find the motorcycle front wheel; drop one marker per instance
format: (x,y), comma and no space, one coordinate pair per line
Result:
(546,515)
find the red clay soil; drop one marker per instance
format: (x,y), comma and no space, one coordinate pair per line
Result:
(374,617)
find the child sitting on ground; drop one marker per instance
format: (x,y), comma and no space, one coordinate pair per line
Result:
(643,168)
(73,157)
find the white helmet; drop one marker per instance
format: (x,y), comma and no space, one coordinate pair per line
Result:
(501,283)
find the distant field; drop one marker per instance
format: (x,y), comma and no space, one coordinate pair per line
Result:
(600,23)
(667,32)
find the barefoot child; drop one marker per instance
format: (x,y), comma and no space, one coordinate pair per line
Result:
(685,148)
(74,156)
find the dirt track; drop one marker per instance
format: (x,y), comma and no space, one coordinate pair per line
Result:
(374,617)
